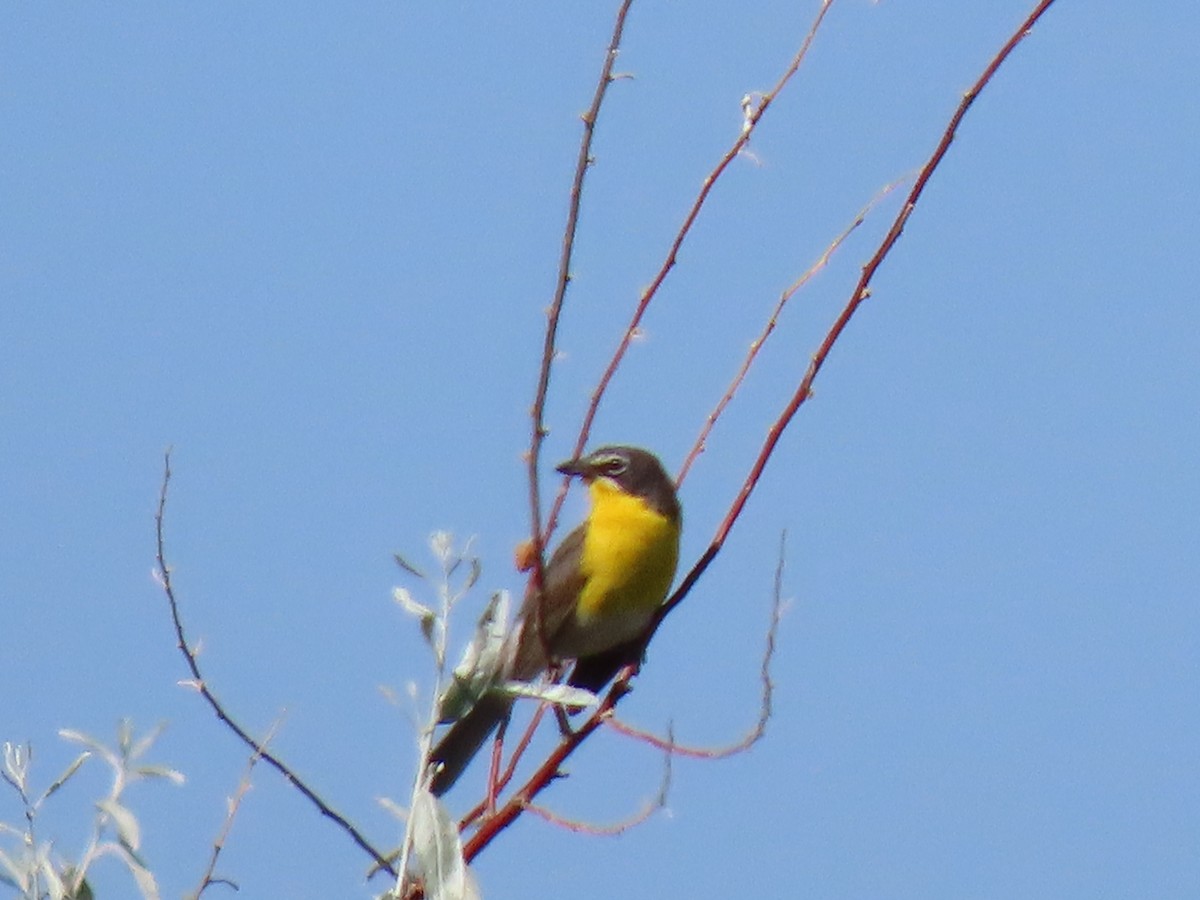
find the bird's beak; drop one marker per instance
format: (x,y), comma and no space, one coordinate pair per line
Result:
(582,467)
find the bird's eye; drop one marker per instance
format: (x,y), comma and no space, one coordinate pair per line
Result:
(615,465)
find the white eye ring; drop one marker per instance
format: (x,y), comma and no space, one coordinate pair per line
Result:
(614,465)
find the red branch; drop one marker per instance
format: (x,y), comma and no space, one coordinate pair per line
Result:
(753,115)
(554,313)
(549,770)
(860,293)
(757,344)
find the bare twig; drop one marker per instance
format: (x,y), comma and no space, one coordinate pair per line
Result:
(860,293)
(546,773)
(649,808)
(235,803)
(537,413)
(753,114)
(759,728)
(757,344)
(522,799)
(198,681)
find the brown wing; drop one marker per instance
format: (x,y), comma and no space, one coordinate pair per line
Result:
(549,612)
(563,584)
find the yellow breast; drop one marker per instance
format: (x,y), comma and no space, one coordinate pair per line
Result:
(629,559)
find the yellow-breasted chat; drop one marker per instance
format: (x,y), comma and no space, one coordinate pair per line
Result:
(602,586)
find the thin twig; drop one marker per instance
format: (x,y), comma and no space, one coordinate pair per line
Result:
(499,780)
(549,770)
(537,413)
(235,803)
(752,116)
(201,685)
(545,774)
(649,808)
(757,344)
(756,731)
(860,293)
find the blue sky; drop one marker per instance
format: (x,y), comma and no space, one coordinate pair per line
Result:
(309,248)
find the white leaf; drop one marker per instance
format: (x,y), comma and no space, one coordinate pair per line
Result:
(416,609)
(78,737)
(144,878)
(140,747)
(481,664)
(16,763)
(145,881)
(387,803)
(559,694)
(437,846)
(53,882)
(62,779)
(408,603)
(442,545)
(11,875)
(126,823)
(174,776)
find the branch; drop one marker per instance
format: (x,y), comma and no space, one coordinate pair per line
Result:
(545,774)
(757,344)
(522,799)
(190,656)
(753,114)
(759,728)
(235,803)
(537,413)
(861,292)
(649,808)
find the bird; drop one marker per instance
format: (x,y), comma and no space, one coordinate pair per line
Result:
(603,585)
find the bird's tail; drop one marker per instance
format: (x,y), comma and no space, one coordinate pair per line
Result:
(459,745)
